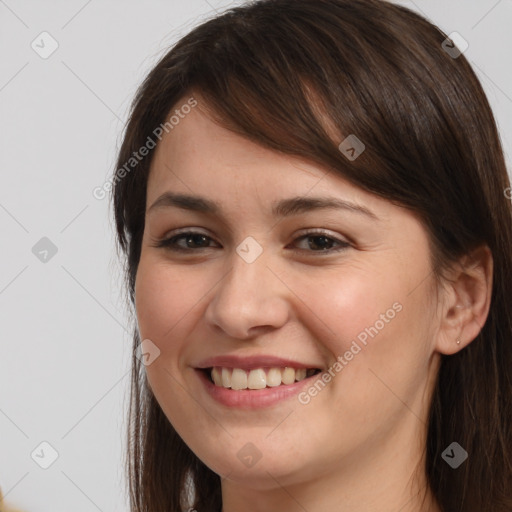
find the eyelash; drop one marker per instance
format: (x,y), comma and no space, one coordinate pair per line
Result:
(170,243)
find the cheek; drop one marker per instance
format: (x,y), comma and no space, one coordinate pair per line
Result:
(374,327)
(163,298)
(347,303)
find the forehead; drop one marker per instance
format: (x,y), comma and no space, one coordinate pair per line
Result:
(197,146)
(200,157)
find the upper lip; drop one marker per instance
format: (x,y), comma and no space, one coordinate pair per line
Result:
(252,362)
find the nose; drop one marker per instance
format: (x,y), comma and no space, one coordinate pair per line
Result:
(248,300)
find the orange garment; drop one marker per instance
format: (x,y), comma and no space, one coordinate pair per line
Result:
(4,507)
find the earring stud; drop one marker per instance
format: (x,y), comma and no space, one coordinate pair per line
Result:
(458,341)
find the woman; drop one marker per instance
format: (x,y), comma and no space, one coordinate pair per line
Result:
(310,198)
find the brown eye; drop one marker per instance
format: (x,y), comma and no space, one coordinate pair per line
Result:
(191,241)
(319,241)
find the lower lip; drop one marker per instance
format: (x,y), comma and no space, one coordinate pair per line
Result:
(253,398)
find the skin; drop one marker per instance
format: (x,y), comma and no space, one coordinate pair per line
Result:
(358,444)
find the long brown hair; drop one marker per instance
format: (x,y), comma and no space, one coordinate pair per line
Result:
(298,76)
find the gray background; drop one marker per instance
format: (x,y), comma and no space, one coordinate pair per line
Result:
(65,333)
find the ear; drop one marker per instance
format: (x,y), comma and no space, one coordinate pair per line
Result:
(465,301)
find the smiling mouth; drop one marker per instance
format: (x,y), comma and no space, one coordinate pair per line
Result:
(258,378)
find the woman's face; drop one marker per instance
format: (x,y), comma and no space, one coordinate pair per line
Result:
(346,290)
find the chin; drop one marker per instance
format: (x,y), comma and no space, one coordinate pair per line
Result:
(260,465)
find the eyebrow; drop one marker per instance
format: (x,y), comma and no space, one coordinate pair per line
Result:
(282,208)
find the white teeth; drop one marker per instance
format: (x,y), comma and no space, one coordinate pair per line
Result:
(239,379)
(274,377)
(217,376)
(288,376)
(300,374)
(226,377)
(258,378)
